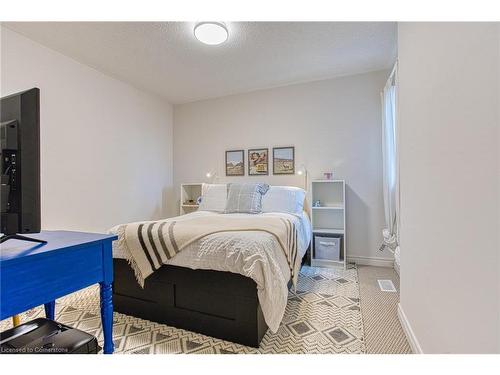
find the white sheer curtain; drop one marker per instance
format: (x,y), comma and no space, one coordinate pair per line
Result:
(390,166)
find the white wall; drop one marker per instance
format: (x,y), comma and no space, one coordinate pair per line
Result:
(106,147)
(333,124)
(450,170)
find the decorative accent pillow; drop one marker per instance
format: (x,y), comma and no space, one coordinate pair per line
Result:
(288,199)
(214,198)
(245,198)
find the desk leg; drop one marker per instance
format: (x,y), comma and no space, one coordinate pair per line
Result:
(16,320)
(50,310)
(107,317)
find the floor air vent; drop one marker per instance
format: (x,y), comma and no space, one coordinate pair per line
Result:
(386,286)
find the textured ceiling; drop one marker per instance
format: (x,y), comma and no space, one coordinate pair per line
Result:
(166,59)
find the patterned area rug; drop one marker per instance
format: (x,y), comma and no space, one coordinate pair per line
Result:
(322,316)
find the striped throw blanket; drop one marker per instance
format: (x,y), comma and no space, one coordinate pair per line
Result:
(151,243)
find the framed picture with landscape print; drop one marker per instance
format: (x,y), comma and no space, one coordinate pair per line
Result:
(235,163)
(283,160)
(258,162)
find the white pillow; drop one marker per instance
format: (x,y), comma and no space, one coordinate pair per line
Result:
(214,198)
(288,199)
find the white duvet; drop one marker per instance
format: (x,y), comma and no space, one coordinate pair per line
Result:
(253,254)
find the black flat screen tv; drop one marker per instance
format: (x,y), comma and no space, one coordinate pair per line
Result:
(20,164)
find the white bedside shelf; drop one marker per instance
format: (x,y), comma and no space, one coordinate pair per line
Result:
(329,218)
(329,181)
(328,231)
(190,191)
(329,208)
(326,263)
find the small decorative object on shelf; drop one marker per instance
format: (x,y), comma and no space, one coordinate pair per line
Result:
(317,203)
(198,200)
(328,175)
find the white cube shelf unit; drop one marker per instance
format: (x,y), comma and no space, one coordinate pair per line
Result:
(329,218)
(189,196)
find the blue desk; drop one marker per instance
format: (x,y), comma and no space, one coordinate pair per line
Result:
(34,274)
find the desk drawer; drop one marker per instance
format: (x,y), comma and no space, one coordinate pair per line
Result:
(31,282)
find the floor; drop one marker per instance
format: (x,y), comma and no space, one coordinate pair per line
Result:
(383,332)
(332,311)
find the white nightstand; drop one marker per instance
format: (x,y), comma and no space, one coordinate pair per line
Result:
(329,219)
(190,192)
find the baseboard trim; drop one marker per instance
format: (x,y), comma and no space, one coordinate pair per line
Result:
(397,268)
(371,261)
(410,335)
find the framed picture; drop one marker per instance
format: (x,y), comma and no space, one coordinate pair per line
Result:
(235,163)
(258,162)
(283,160)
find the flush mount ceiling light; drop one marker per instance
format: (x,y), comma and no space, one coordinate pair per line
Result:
(211,33)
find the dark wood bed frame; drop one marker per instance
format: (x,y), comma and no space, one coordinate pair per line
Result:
(215,303)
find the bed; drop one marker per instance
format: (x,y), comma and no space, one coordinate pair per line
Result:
(232,285)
